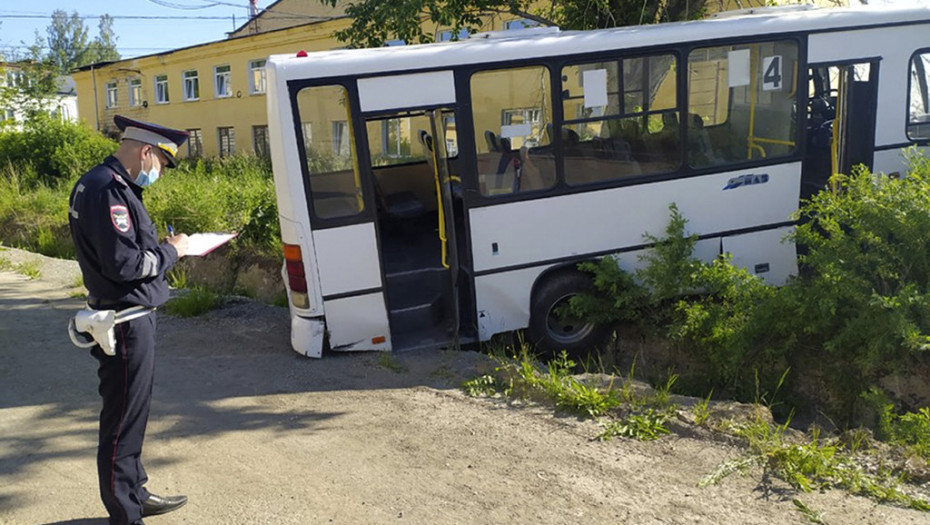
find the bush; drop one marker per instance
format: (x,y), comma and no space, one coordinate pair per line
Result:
(53,152)
(859,311)
(866,288)
(225,194)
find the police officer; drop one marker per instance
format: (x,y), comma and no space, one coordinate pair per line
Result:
(124,265)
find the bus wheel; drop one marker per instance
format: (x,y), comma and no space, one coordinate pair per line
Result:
(551,328)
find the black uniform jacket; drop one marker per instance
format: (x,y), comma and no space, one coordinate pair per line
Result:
(115,241)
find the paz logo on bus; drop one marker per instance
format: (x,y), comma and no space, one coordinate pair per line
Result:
(746,180)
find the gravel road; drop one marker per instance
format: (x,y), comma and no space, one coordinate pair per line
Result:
(255,434)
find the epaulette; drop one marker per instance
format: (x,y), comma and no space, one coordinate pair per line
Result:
(119,179)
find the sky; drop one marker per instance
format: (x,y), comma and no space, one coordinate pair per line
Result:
(19,21)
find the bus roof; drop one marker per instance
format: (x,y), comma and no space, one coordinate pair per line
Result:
(501,46)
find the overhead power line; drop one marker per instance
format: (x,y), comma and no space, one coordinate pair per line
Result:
(152,17)
(173,5)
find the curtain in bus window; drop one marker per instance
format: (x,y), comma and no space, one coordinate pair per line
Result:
(620,119)
(918,122)
(742,102)
(512,112)
(332,166)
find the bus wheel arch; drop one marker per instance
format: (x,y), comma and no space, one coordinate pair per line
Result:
(552,333)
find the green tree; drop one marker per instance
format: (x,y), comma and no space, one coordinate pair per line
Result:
(374,21)
(29,82)
(103,48)
(67,41)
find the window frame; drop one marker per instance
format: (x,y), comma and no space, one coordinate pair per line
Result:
(194,81)
(907,106)
(135,92)
(227,82)
(353,115)
(111,91)
(196,137)
(161,80)
(253,69)
(263,150)
(680,50)
(230,132)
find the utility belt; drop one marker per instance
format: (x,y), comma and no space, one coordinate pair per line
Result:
(96,323)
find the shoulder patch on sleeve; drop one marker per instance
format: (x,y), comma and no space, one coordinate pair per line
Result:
(119,215)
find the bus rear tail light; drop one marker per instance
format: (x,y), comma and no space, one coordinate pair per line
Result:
(296,277)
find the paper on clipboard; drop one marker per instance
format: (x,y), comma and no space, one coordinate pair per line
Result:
(200,244)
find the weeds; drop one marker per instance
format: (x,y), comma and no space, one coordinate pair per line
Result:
(389,362)
(701,410)
(196,301)
(485,385)
(29,268)
(646,426)
(621,411)
(810,514)
(810,465)
(177,278)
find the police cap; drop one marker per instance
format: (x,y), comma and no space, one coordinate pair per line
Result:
(166,139)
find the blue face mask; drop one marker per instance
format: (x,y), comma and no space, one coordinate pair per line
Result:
(147,178)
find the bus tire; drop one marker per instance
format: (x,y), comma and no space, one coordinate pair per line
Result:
(552,333)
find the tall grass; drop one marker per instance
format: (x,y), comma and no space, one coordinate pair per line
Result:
(230,194)
(224,194)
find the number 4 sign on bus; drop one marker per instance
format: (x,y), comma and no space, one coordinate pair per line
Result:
(771,78)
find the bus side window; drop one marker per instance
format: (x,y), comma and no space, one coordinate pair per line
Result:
(918,122)
(512,109)
(332,165)
(742,102)
(620,122)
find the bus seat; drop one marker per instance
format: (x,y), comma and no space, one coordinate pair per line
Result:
(403,205)
(701,151)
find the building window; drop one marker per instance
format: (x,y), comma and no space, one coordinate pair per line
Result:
(195,143)
(260,141)
(523,23)
(111,94)
(191,85)
(257,79)
(308,134)
(227,141)
(135,92)
(918,121)
(446,36)
(340,138)
(9,114)
(221,81)
(15,78)
(161,89)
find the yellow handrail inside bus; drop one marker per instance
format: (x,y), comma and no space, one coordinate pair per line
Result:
(837,127)
(443,241)
(750,142)
(355,170)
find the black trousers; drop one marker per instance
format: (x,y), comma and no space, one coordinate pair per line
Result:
(126,388)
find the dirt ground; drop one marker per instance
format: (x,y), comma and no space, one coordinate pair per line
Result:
(255,434)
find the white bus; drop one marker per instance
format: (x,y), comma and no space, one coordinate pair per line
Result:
(444,193)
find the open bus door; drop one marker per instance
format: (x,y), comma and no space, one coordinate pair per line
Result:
(840,121)
(418,221)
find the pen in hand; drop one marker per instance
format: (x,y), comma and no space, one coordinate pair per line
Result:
(170,230)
